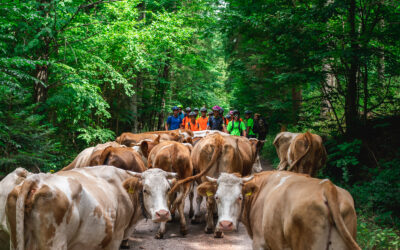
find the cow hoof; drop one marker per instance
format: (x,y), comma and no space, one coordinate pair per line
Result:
(218,235)
(124,245)
(215,216)
(191,213)
(209,230)
(184,231)
(159,236)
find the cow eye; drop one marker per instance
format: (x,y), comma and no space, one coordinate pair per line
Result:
(240,198)
(145,191)
(216,197)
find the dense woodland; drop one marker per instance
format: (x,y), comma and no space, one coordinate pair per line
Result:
(77,73)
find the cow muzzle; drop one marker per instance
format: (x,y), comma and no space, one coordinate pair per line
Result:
(162,216)
(226,225)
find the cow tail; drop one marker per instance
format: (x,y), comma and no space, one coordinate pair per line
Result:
(308,138)
(20,213)
(216,154)
(330,192)
(104,155)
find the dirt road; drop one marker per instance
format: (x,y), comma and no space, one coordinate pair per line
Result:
(143,238)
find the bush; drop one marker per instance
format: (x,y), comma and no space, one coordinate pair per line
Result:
(372,236)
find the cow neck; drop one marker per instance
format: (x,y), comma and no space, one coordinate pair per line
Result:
(245,214)
(145,214)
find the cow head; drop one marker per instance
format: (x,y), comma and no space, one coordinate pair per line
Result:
(228,190)
(147,145)
(154,184)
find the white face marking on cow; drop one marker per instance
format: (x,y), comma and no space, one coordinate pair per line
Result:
(288,156)
(324,180)
(229,200)
(257,165)
(155,194)
(283,179)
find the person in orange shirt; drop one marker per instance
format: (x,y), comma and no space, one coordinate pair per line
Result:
(186,118)
(203,119)
(192,124)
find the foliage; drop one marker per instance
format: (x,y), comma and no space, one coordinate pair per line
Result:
(372,236)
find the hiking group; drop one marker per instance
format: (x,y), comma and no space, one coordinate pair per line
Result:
(250,127)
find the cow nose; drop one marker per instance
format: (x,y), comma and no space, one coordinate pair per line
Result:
(162,214)
(226,225)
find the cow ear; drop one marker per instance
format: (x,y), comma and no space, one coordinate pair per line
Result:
(207,189)
(249,189)
(132,185)
(144,147)
(157,140)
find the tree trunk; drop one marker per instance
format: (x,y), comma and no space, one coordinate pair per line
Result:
(42,74)
(351,108)
(296,98)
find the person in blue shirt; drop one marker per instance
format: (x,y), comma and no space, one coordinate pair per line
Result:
(173,121)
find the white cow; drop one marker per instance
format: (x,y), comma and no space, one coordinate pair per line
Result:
(154,185)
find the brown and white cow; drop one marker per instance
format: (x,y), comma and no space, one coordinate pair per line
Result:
(285,210)
(6,186)
(144,147)
(180,135)
(306,154)
(90,156)
(153,185)
(84,208)
(172,156)
(212,155)
(121,157)
(282,142)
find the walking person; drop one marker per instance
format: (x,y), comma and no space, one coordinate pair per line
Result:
(260,127)
(249,124)
(216,122)
(203,119)
(192,124)
(236,126)
(186,118)
(181,114)
(173,121)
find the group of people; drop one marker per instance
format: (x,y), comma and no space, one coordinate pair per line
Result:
(252,126)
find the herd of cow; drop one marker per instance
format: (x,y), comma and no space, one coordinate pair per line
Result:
(96,201)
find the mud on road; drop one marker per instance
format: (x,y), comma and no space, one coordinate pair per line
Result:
(143,237)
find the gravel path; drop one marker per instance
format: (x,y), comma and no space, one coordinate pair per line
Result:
(143,238)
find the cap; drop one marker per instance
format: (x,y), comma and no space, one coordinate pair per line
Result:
(188,109)
(210,113)
(174,108)
(192,114)
(228,116)
(203,110)
(195,109)
(257,114)
(180,106)
(248,112)
(236,112)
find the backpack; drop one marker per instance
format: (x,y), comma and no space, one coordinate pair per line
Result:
(262,127)
(240,129)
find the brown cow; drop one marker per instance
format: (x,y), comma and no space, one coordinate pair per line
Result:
(212,155)
(121,157)
(84,208)
(282,142)
(180,135)
(306,154)
(90,155)
(172,156)
(284,210)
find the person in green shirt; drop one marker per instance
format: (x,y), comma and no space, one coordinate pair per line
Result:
(236,127)
(249,124)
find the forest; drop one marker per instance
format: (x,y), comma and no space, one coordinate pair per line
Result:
(77,73)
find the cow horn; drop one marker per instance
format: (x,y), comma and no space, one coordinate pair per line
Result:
(246,179)
(210,179)
(172,175)
(134,174)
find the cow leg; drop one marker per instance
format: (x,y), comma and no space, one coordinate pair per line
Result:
(197,215)
(210,216)
(191,196)
(172,200)
(161,231)
(181,207)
